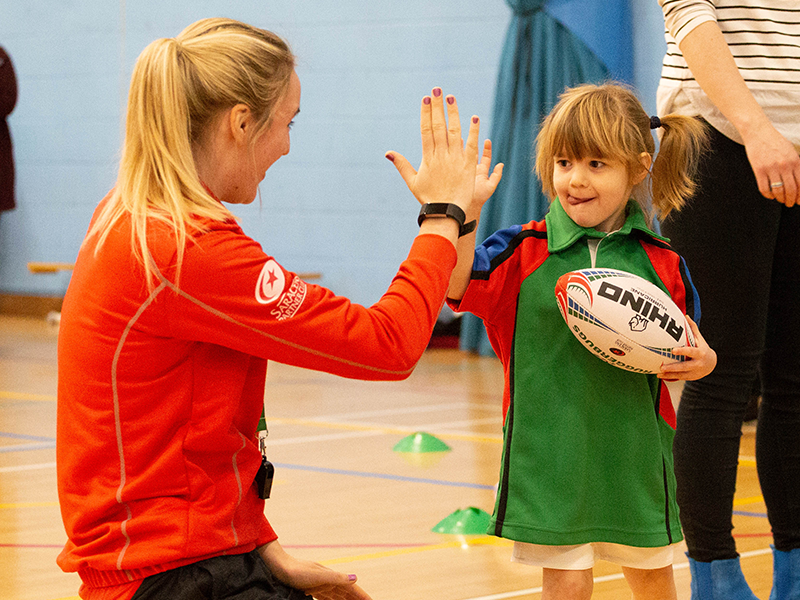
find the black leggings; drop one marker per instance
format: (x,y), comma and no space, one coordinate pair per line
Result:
(743,253)
(236,577)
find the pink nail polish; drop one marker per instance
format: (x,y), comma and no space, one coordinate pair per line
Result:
(426,100)
(451,99)
(437,92)
(351,577)
(474,119)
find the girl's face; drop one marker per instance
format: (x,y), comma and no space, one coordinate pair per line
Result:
(594,191)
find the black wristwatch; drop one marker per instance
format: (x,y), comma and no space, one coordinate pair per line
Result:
(436,209)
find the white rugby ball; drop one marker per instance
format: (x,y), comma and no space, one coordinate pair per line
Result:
(622,318)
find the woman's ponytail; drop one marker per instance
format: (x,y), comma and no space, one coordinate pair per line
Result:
(177,88)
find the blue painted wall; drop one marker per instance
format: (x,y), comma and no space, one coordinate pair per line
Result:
(334,205)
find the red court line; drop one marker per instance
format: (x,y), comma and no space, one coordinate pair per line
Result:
(31,545)
(290,546)
(304,546)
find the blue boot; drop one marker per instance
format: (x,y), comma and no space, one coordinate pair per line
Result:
(719,580)
(786,575)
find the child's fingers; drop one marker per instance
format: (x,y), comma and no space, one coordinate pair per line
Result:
(497,174)
(486,157)
(453,124)
(472,140)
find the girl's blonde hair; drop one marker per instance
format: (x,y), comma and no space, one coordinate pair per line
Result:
(608,121)
(178,88)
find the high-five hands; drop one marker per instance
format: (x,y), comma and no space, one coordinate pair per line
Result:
(447,171)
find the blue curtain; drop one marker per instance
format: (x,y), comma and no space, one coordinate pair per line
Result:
(549,46)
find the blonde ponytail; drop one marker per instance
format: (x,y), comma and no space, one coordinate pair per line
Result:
(177,88)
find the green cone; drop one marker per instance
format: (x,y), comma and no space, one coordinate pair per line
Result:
(466,521)
(421,442)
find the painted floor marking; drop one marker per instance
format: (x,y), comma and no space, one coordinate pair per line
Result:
(389,476)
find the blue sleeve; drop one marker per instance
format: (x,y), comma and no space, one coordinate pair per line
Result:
(493,247)
(692,297)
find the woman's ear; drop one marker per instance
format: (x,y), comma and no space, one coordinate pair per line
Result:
(646,161)
(240,121)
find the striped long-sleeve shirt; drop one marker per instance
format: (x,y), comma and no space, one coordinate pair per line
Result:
(764,39)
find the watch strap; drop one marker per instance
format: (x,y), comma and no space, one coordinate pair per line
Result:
(445,209)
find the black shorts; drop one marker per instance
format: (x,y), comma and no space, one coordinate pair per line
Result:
(238,577)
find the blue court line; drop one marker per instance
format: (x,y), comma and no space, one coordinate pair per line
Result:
(21,436)
(744,513)
(464,484)
(43,443)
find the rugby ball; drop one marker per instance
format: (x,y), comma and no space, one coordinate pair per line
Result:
(622,318)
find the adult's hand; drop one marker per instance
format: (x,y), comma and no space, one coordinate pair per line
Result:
(313,578)
(447,171)
(775,163)
(773,158)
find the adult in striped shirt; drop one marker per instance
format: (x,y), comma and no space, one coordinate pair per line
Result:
(736,65)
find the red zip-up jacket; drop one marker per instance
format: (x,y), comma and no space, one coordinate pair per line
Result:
(160,391)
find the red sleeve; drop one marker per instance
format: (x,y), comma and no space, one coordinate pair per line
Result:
(232,294)
(267,534)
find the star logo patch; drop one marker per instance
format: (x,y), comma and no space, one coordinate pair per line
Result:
(271,283)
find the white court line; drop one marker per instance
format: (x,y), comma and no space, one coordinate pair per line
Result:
(377,429)
(616,576)
(50,465)
(325,437)
(406,410)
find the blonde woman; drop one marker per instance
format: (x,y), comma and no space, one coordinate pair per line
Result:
(173,312)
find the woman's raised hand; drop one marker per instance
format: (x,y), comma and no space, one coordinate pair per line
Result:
(447,171)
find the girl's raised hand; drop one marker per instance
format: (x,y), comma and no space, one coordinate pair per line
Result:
(485,183)
(701,359)
(447,171)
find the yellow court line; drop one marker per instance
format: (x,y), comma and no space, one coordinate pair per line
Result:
(22,396)
(388,430)
(459,543)
(27,504)
(751,500)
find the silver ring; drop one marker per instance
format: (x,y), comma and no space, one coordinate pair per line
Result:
(776,185)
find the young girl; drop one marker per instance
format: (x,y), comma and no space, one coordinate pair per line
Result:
(587,462)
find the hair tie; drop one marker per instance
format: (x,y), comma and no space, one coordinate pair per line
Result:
(655,122)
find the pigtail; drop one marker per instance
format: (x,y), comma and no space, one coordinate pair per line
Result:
(683,140)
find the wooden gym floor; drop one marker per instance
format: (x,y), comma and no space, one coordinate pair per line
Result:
(341,496)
